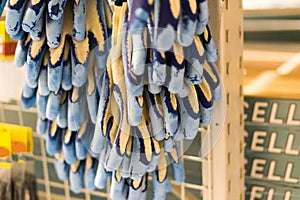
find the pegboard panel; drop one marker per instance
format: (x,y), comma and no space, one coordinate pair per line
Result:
(227,167)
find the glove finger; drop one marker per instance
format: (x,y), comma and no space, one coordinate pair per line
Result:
(55,65)
(124,167)
(118,188)
(53,139)
(54,29)
(159,59)
(139,52)
(56,8)
(53,104)
(175,71)
(34,61)
(68,146)
(41,102)
(135,109)
(139,160)
(90,172)
(134,83)
(76,176)
(170,110)
(62,118)
(156,150)
(79,62)
(209,45)
(153,87)
(38,31)
(166,16)
(175,157)
(43,78)
(81,151)
(213,80)
(139,12)
(190,113)
(107,15)
(76,108)
(161,184)
(160,189)
(28,97)
(79,19)
(101,176)
(187,22)
(34,13)
(136,188)
(99,40)
(22,50)
(92,92)
(14,17)
(205,99)
(66,82)
(169,144)
(42,126)
(104,115)
(61,167)
(196,57)
(203,16)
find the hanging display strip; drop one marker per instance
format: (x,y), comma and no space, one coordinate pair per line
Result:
(272,135)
